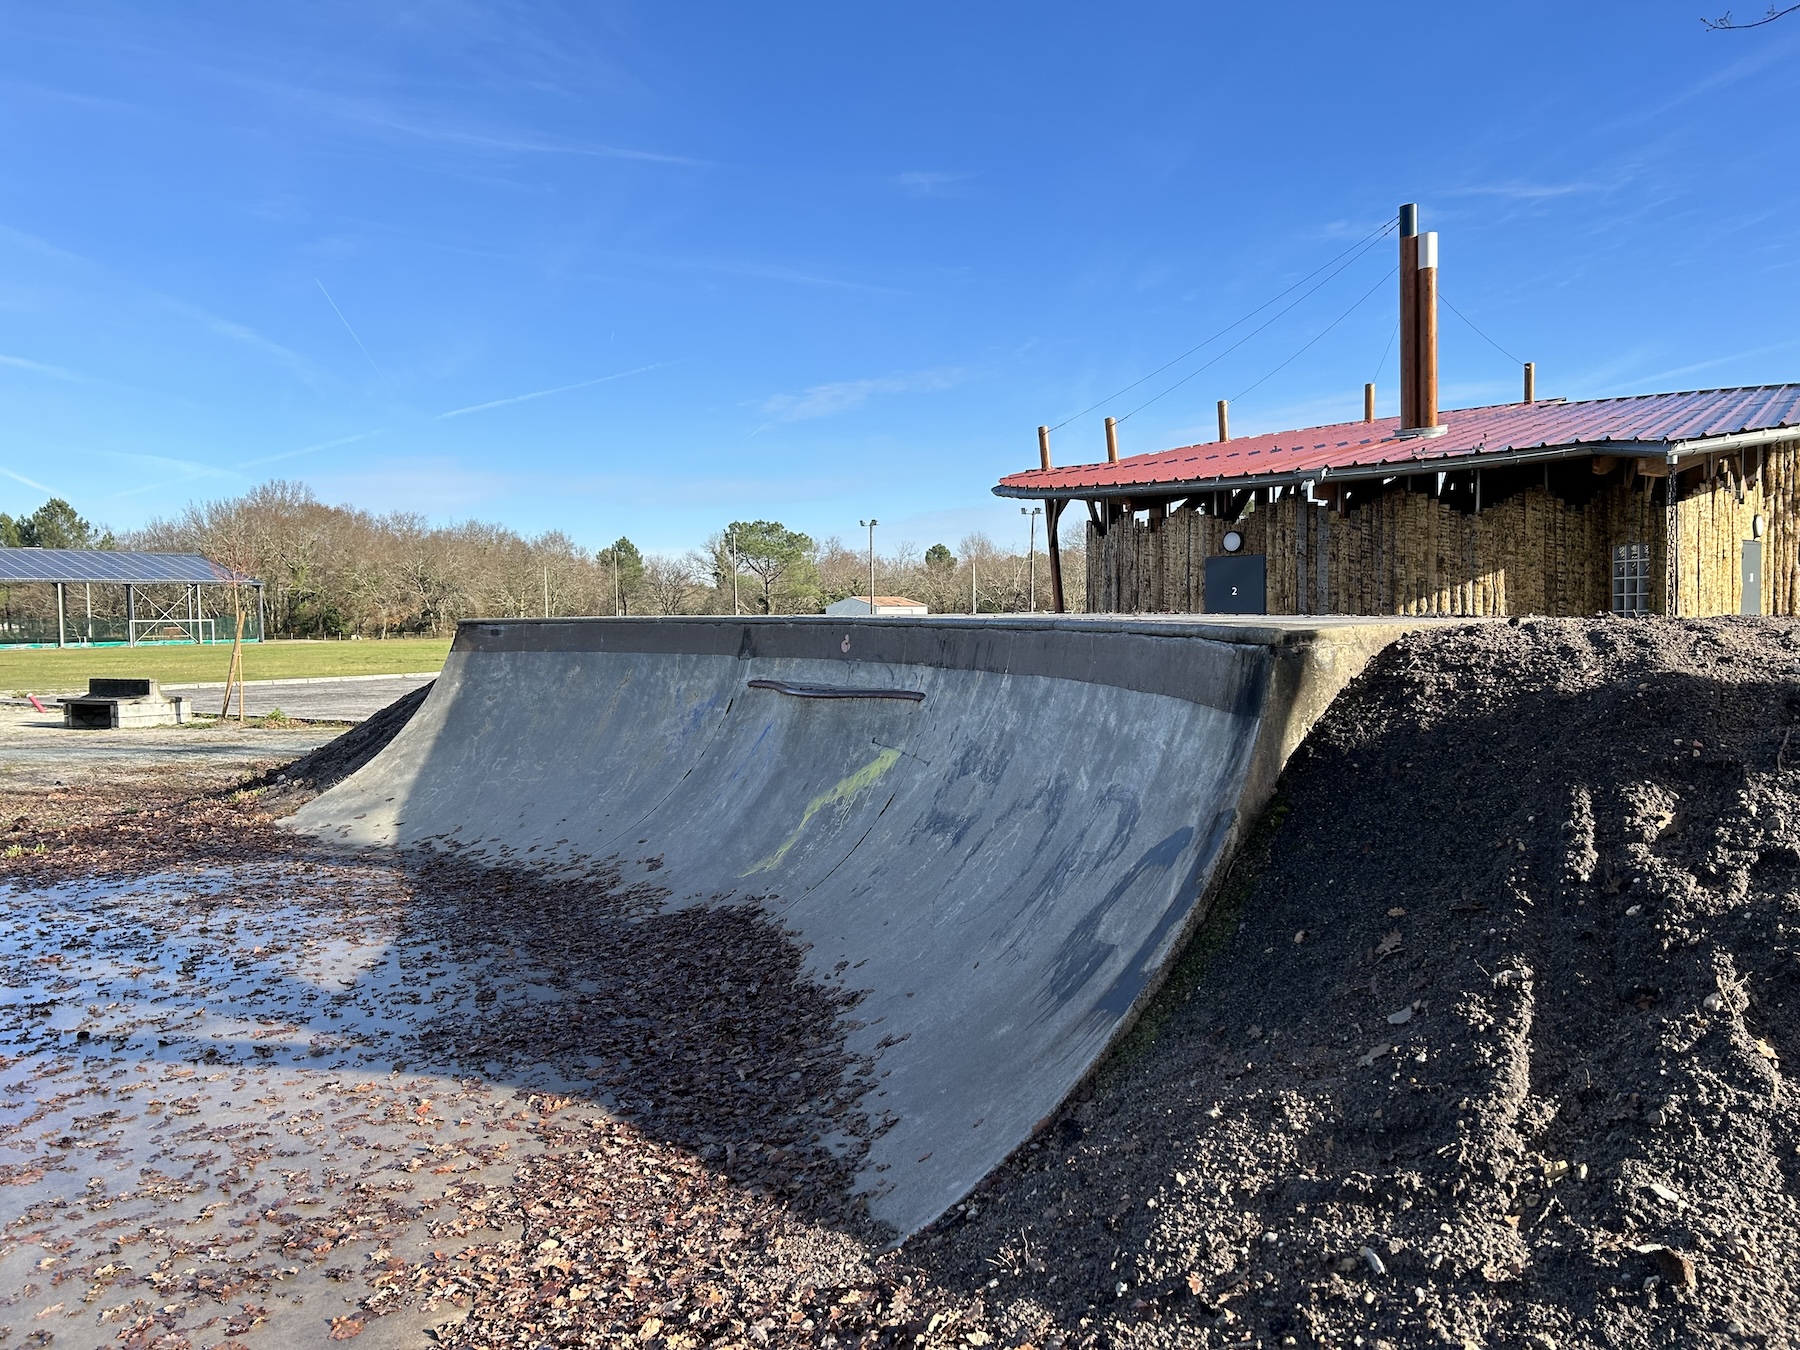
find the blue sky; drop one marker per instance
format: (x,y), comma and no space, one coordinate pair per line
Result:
(644,269)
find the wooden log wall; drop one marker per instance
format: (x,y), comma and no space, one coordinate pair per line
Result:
(1777,475)
(1718,504)
(1399,552)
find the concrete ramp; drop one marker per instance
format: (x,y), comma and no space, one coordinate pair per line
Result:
(1001,829)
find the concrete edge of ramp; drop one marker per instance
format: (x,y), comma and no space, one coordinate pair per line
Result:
(1055,808)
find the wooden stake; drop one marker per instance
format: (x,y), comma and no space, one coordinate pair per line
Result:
(1112,440)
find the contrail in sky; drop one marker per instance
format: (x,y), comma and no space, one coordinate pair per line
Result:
(19,477)
(545,393)
(348,329)
(307,450)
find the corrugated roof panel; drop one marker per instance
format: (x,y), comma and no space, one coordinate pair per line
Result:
(1470,433)
(19,566)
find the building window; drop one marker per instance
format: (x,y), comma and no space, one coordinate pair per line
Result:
(1631,579)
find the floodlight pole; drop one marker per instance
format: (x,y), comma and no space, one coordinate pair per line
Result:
(871,523)
(1031,514)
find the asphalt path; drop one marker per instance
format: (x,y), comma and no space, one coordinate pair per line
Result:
(347,699)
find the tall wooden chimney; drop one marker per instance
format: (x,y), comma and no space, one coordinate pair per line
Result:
(1409,309)
(1428,334)
(1418,328)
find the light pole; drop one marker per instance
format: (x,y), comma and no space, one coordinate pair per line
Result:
(731,551)
(870,524)
(1031,514)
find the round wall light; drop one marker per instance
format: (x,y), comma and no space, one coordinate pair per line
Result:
(1232,541)
(1756,526)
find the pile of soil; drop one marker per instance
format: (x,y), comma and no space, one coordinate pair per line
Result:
(1489,1043)
(336,760)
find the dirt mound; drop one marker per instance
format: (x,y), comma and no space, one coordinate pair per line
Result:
(337,760)
(1489,1042)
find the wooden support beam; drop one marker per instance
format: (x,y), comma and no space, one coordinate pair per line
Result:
(1053,510)
(1112,440)
(1044,447)
(1601,463)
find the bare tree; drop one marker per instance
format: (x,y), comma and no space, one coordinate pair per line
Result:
(1725,22)
(666,584)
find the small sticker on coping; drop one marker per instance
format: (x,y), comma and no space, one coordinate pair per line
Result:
(844,646)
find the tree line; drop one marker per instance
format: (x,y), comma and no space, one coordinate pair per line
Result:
(337,571)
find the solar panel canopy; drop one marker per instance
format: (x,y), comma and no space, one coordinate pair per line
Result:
(21,565)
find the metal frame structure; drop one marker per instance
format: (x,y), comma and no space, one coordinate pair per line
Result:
(65,567)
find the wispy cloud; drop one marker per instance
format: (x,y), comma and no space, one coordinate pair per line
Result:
(434,484)
(545,393)
(922,184)
(39,368)
(226,328)
(825,400)
(30,482)
(1663,376)
(247,336)
(1515,190)
(426,127)
(308,449)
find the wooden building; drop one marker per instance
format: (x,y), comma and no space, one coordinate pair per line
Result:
(1681,503)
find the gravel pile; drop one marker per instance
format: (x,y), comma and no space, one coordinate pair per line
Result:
(1492,1047)
(1484,1043)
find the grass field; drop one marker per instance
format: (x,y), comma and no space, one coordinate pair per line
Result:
(48,671)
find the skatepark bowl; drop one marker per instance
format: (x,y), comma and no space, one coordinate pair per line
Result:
(995,832)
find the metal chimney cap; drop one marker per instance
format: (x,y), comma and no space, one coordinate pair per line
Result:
(1409,220)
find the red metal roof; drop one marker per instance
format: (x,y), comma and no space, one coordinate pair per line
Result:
(1472,435)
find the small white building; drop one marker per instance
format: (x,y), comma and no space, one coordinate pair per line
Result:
(860,605)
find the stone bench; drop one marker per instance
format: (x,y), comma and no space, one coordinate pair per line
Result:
(112,703)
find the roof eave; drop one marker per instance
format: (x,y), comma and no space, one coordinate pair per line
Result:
(1480,459)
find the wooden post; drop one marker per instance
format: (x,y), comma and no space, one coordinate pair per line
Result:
(1427,393)
(1224,422)
(1052,513)
(1409,312)
(1112,443)
(1368,403)
(1531,382)
(60,641)
(1044,447)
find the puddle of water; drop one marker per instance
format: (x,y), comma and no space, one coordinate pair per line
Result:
(211,1121)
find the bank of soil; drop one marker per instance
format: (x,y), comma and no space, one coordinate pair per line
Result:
(1485,1042)
(1498,1050)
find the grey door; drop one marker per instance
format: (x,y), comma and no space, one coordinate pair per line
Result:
(1237,584)
(1752,577)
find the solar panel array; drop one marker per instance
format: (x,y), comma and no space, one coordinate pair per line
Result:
(21,565)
